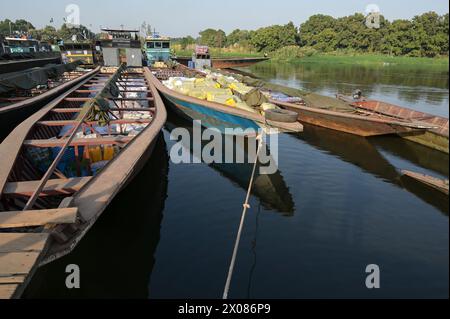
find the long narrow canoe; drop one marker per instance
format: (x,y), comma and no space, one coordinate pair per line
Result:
(436,137)
(333,113)
(215,115)
(75,155)
(429,181)
(14,108)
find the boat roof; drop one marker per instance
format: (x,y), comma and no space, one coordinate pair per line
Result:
(120,30)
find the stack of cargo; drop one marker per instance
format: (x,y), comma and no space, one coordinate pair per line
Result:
(218,88)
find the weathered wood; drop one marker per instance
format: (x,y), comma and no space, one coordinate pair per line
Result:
(23,242)
(122,109)
(12,280)
(53,187)
(17,263)
(7,290)
(430,181)
(80,141)
(71,122)
(38,218)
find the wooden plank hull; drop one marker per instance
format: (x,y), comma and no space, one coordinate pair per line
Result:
(348,123)
(429,181)
(24,186)
(429,139)
(435,138)
(12,115)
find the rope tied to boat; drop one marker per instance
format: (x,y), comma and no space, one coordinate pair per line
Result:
(246,207)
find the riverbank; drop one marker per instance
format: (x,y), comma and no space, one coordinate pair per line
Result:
(370,59)
(220,53)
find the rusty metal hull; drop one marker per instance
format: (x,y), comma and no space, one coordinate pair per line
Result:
(226,63)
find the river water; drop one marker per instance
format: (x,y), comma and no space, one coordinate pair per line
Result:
(336,205)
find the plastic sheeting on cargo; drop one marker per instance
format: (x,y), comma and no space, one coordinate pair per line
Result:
(31,78)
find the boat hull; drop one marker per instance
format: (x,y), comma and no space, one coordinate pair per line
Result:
(429,139)
(209,118)
(356,125)
(226,63)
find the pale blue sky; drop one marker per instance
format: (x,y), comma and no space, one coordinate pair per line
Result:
(188,17)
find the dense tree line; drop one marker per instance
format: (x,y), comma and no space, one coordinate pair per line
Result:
(425,35)
(48,33)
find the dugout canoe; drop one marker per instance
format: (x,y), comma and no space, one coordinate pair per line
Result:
(39,196)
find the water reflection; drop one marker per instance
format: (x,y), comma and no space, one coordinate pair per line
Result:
(271,190)
(363,153)
(116,258)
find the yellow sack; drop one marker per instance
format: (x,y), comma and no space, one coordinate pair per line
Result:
(95,154)
(108,153)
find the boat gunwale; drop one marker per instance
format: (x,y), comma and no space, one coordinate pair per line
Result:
(13,143)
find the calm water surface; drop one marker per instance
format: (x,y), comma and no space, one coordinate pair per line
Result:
(336,205)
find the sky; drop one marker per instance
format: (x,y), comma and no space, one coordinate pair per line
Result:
(177,18)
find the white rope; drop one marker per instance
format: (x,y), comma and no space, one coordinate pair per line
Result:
(241,226)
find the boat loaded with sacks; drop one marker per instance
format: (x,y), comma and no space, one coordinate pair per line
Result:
(220,102)
(63,166)
(23,93)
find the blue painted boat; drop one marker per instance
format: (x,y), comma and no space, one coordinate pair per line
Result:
(219,116)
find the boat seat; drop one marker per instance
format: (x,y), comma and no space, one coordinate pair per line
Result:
(53,187)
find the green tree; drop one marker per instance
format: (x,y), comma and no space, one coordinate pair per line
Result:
(240,37)
(275,37)
(213,38)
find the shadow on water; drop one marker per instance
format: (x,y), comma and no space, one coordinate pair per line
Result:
(271,189)
(362,152)
(116,258)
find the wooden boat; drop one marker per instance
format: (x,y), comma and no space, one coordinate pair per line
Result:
(436,137)
(18,103)
(429,181)
(59,203)
(212,114)
(333,113)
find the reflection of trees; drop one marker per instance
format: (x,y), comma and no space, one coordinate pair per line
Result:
(339,77)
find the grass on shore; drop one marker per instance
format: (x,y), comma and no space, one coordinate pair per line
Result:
(217,53)
(373,59)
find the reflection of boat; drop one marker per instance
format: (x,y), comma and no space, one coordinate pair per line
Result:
(271,189)
(362,153)
(438,184)
(23,93)
(137,253)
(212,114)
(62,167)
(436,137)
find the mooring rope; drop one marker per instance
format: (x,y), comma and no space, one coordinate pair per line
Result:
(241,226)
